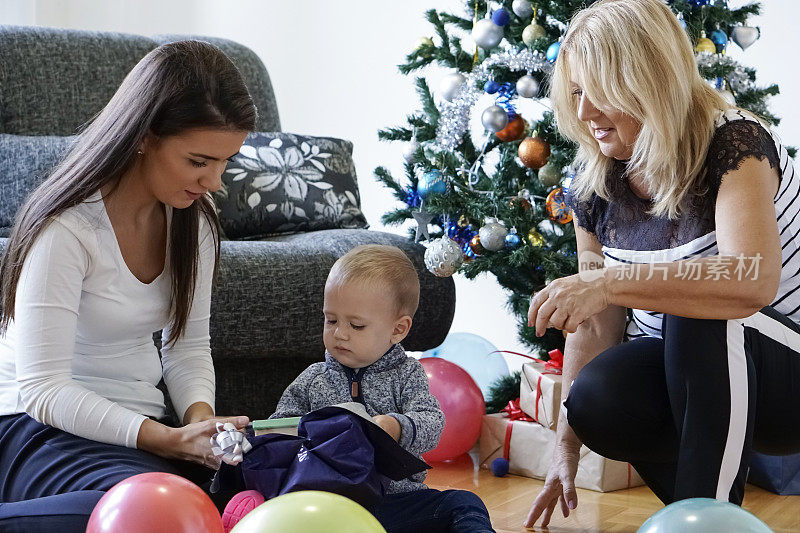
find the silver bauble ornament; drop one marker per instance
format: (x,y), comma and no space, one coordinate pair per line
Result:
(527,86)
(522,8)
(532,32)
(409,150)
(494,118)
(487,34)
(744,36)
(450,85)
(493,235)
(443,257)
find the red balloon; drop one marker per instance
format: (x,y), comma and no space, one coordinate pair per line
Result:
(155,502)
(461,401)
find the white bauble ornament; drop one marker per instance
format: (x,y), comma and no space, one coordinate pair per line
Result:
(443,257)
(450,85)
(728,96)
(522,8)
(744,36)
(409,150)
(493,235)
(487,34)
(527,86)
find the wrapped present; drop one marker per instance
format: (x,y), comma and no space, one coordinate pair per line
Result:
(528,447)
(776,473)
(540,389)
(285,426)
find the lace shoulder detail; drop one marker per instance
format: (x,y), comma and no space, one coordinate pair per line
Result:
(584,211)
(733,142)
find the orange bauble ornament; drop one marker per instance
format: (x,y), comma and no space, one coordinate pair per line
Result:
(534,152)
(513,130)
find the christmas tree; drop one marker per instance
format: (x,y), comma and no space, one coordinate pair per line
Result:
(496,199)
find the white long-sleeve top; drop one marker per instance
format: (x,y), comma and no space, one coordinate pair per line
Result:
(79,355)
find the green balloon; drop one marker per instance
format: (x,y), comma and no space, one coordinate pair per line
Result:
(309,511)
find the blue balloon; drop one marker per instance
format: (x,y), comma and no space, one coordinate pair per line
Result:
(499,467)
(501,17)
(703,515)
(552,51)
(474,354)
(432,182)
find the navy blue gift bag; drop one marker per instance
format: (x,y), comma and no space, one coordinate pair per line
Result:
(776,473)
(335,451)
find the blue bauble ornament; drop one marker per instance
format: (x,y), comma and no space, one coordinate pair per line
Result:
(432,182)
(719,39)
(552,52)
(512,241)
(501,17)
(499,467)
(491,87)
(699,3)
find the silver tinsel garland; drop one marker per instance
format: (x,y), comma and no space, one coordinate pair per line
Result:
(738,80)
(455,115)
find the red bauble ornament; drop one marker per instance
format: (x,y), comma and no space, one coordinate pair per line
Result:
(513,130)
(476,246)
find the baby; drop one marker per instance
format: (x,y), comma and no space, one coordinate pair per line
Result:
(370,296)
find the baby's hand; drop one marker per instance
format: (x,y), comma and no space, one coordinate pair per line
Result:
(389,424)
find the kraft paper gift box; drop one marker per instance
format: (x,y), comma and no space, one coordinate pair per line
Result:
(540,392)
(528,447)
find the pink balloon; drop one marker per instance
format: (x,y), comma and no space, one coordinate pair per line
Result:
(155,502)
(461,401)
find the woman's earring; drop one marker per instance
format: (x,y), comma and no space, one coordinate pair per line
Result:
(139,152)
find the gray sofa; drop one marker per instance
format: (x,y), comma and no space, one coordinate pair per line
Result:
(266,313)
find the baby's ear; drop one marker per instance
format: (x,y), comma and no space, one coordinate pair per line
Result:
(401,328)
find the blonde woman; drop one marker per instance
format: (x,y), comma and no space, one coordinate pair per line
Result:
(687,212)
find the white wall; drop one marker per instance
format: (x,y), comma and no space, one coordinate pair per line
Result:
(333,67)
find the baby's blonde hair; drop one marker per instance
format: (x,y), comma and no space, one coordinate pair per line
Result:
(379,265)
(633,55)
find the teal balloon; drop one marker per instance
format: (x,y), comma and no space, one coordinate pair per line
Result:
(474,354)
(432,182)
(309,511)
(703,515)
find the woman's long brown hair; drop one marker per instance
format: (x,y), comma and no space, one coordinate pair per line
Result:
(176,87)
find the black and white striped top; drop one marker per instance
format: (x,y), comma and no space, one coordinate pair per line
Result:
(629,235)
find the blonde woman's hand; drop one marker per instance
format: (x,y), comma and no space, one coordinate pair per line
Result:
(566,302)
(559,486)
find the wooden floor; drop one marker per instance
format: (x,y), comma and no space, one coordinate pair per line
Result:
(509,499)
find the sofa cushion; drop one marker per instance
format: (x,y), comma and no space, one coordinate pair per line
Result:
(26,162)
(285,183)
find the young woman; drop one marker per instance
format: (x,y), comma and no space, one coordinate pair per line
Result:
(120,241)
(690,208)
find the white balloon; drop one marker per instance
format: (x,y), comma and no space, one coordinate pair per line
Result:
(450,85)
(487,34)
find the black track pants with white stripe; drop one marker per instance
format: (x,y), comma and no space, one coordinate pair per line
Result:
(687,410)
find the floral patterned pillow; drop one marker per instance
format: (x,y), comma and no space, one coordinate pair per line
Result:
(284,183)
